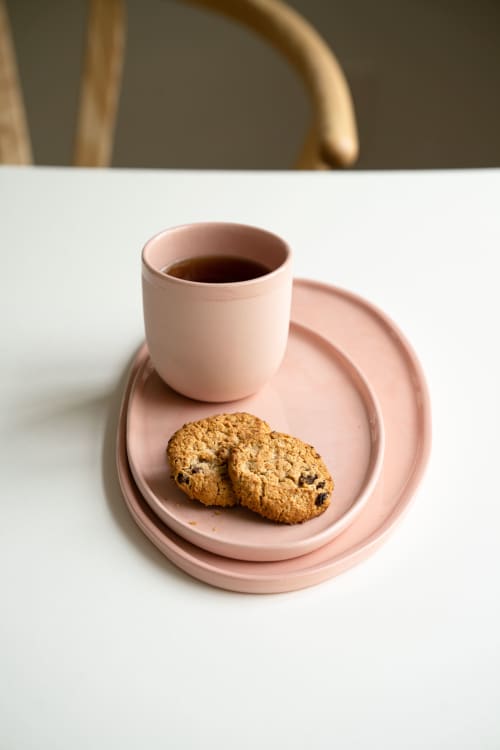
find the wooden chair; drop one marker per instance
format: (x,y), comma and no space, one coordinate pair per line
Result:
(331,143)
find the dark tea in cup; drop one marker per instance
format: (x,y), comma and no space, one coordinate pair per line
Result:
(216,269)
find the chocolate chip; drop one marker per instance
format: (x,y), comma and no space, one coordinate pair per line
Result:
(320,499)
(307,479)
(195,470)
(182,478)
(320,485)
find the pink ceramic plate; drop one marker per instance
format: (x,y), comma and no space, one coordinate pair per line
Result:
(318,395)
(387,360)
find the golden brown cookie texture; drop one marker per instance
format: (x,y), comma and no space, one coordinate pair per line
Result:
(199,451)
(280,477)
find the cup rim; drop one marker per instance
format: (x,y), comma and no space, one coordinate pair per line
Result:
(165,278)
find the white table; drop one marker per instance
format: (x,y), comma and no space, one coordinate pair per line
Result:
(103,643)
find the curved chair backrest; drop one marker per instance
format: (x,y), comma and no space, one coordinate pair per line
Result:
(331,142)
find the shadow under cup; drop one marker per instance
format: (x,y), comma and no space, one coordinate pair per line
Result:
(216,341)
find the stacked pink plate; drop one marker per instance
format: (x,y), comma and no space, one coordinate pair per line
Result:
(351,386)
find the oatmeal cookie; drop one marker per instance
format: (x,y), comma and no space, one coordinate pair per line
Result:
(199,451)
(280,477)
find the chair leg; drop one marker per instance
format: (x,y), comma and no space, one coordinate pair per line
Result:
(101,83)
(15,143)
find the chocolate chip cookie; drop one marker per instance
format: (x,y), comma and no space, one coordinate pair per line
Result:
(280,477)
(199,451)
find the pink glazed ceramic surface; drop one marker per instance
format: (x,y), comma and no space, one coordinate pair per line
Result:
(216,342)
(318,395)
(388,362)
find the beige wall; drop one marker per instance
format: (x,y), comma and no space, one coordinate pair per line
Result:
(200,91)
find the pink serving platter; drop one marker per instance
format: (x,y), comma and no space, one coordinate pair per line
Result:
(319,395)
(380,351)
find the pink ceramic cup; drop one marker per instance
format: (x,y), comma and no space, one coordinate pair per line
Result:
(209,341)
